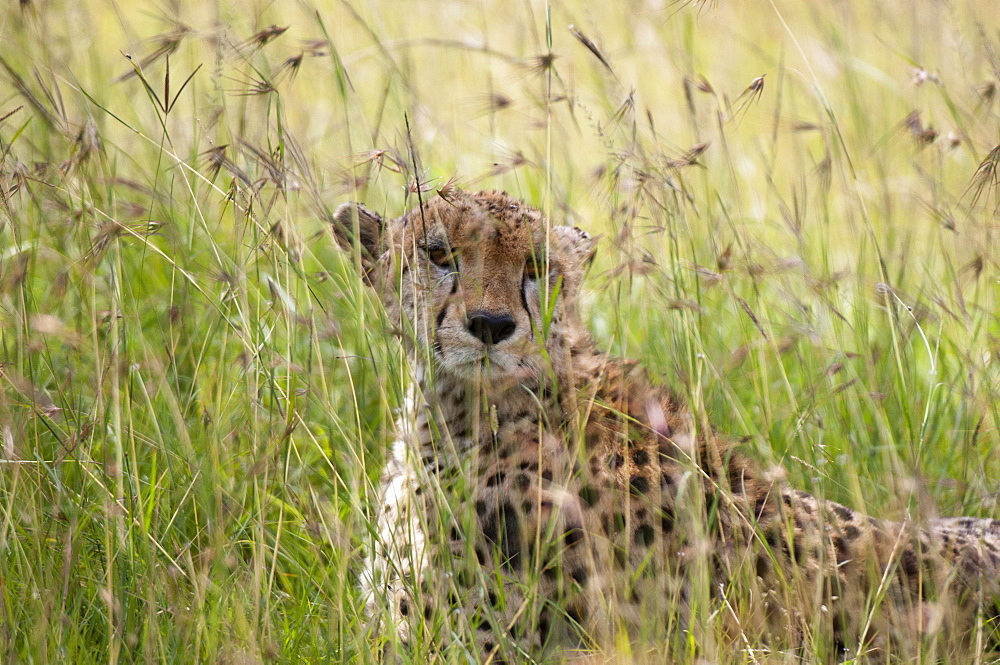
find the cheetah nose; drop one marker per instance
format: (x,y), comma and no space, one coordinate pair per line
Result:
(491,328)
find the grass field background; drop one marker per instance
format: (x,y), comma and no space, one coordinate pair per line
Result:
(797,204)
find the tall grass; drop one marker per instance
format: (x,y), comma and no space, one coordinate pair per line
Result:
(797,204)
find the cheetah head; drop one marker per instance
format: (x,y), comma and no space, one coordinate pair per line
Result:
(478,282)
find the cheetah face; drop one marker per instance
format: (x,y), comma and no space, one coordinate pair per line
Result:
(476,282)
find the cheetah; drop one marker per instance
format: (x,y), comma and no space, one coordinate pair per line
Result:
(543,499)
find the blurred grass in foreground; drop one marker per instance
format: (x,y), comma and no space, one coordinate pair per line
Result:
(798,210)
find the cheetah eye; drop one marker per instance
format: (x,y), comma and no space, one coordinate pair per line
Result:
(441,256)
(534,267)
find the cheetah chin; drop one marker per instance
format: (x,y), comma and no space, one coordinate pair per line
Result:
(544,499)
(501,371)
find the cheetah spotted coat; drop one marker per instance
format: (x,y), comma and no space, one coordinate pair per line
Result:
(543,498)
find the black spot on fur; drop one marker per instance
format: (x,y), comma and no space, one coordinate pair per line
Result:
(404,607)
(544,626)
(667,520)
(851,532)
(491,529)
(638,484)
(440,317)
(839,625)
(503,530)
(616,461)
(512,536)
(640,457)
(644,535)
(574,536)
(580,575)
(909,563)
(547,474)
(521,481)
(843,513)
(842,549)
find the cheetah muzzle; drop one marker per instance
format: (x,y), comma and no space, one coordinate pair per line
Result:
(544,498)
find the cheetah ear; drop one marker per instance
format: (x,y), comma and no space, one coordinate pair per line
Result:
(354,221)
(577,245)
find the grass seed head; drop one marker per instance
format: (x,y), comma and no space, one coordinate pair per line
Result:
(260,39)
